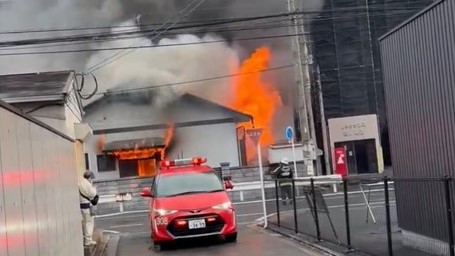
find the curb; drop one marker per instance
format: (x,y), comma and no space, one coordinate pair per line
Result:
(304,241)
(112,245)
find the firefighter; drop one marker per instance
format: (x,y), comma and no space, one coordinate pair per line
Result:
(87,197)
(284,175)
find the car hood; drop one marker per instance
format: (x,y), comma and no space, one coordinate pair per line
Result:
(193,201)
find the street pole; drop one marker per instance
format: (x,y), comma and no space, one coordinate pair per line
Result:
(302,76)
(261,174)
(325,140)
(295,158)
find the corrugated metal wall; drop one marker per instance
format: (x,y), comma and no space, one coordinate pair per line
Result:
(419,74)
(39,204)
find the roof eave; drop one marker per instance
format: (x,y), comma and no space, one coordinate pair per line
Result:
(46,98)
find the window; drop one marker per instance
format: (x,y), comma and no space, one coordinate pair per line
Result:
(187,183)
(105,163)
(87,162)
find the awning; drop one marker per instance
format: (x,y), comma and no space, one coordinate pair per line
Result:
(134,144)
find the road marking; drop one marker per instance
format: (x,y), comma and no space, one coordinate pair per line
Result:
(120,213)
(110,231)
(248,214)
(127,225)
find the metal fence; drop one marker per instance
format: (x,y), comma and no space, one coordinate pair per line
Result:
(360,214)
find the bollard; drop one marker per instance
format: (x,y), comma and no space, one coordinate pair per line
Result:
(277,204)
(346,210)
(447,181)
(316,218)
(387,212)
(296,225)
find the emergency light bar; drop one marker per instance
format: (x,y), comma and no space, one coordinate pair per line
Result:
(184,162)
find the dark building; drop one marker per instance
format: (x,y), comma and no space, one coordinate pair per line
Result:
(418,60)
(345,46)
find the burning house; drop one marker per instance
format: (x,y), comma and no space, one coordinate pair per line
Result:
(131,135)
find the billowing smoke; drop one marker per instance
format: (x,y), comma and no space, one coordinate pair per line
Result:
(170,61)
(151,66)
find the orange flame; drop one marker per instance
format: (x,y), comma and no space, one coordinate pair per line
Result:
(168,138)
(256,97)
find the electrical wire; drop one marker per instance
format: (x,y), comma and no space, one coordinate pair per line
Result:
(141,33)
(286,35)
(193,81)
(319,12)
(182,14)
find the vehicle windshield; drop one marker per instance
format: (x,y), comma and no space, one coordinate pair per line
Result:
(187,183)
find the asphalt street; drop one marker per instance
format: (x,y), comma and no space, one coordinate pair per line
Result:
(133,229)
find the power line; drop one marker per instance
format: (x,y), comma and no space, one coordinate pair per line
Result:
(206,31)
(167,45)
(108,35)
(193,81)
(331,10)
(182,14)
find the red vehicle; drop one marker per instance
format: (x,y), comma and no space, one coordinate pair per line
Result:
(188,200)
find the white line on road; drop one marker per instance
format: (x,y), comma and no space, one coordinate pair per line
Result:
(110,231)
(120,213)
(127,225)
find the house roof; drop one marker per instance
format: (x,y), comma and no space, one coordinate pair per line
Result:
(35,87)
(179,104)
(134,144)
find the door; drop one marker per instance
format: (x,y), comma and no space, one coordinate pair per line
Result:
(361,156)
(351,160)
(128,168)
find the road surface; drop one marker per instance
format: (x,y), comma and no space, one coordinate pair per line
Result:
(133,229)
(135,240)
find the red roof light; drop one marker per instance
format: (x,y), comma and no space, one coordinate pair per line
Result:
(184,162)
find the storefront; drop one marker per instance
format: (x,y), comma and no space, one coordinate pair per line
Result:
(358,136)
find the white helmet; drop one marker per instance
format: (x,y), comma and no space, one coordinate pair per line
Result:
(284,160)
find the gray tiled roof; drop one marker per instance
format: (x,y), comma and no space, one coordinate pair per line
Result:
(33,84)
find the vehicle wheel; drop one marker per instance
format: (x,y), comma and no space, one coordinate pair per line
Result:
(231,238)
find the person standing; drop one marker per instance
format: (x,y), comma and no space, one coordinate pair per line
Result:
(284,175)
(87,196)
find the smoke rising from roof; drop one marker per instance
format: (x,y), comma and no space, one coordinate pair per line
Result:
(152,66)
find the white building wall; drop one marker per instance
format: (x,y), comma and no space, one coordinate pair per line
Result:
(217,142)
(39,206)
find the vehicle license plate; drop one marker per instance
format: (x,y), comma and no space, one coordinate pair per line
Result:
(194,224)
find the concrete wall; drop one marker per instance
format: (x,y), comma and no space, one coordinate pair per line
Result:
(39,203)
(216,142)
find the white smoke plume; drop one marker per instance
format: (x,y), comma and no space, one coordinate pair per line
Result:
(170,63)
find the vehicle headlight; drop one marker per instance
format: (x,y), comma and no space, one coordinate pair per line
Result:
(162,212)
(223,206)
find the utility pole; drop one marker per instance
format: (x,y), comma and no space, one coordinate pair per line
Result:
(302,62)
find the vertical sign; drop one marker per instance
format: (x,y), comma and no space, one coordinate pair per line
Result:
(340,161)
(255,135)
(289,133)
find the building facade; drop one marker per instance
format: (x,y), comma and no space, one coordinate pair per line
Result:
(419,76)
(131,135)
(344,40)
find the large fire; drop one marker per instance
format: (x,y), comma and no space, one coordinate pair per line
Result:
(256,97)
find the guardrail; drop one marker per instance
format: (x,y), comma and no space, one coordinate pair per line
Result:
(240,187)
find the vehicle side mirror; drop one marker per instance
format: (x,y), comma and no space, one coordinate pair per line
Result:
(145,192)
(228,184)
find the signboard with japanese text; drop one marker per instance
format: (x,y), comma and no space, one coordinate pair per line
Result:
(353,128)
(254,134)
